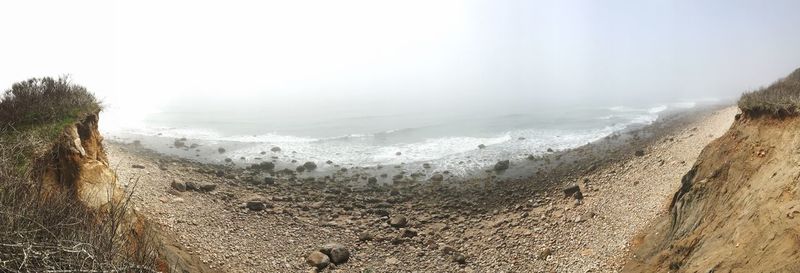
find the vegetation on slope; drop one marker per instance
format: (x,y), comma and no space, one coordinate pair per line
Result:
(782,98)
(59,233)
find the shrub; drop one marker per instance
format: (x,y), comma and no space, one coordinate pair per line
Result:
(45,100)
(782,98)
(57,233)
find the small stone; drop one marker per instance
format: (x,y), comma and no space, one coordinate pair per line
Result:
(256,203)
(137,166)
(221,150)
(481,146)
(639,153)
(437,177)
(398,153)
(192,186)
(545,253)
(460,258)
(372,180)
(310,166)
(269,180)
(571,190)
(365,236)
(398,221)
(408,233)
(207,187)
(178,186)
(275,149)
(501,165)
(318,259)
(337,253)
(426,165)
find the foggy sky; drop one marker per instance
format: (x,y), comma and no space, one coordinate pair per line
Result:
(302,55)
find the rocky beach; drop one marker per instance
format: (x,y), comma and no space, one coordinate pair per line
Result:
(576,211)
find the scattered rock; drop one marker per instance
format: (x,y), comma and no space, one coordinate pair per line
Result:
(571,190)
(460,258)
(398,221)
(337,253)
(207,187)
(365,236)
(501,165)
(545,253)
(263,166)
(310,166)
(178,186)
(318,259)
(257,203)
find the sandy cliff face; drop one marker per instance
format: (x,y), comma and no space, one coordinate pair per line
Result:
(78,165)
(738,209)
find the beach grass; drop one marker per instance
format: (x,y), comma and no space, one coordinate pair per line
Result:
(781,98)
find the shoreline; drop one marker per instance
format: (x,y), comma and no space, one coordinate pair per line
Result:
(492,221)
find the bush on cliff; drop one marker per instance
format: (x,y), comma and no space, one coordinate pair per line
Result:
(60,233)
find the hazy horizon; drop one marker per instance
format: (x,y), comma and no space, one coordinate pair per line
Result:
(317,57)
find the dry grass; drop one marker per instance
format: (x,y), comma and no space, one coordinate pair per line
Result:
(59,234)
(782,98)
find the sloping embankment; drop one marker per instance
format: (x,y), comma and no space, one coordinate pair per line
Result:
(738,209)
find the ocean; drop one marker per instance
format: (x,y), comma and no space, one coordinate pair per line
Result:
(446,140)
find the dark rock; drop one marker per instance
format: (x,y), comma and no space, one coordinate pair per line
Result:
(398,221)
(481,146)
(571,190)
(408,233)
(263,152)
(365,236)
(549,150)
(520,138)
(545,253)
(263,166)
(137,166)
(337,253)
(191,186)
(269,180)
(228,160)
(501,165)
(318,259)
(275,149)
(398,153)
(578,195)
(372,180)
(639,153)
(257,203)
(179,143)
(221,150)
(310,166)
(328,162)
(300,169)
(426,165)
(460,258)
(178,186)
(207,187)
(437,177)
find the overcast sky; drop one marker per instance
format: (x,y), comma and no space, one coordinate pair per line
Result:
(436,52)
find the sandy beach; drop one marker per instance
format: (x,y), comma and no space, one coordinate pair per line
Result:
(514,221)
